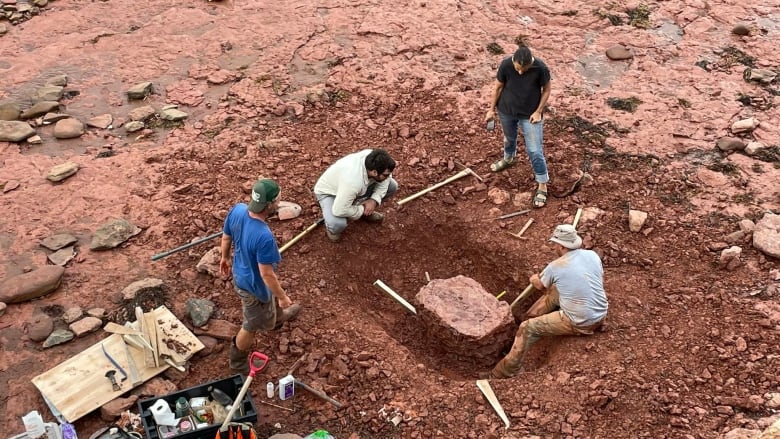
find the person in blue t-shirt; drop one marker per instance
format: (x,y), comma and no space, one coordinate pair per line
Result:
(520,94)
(574,300)
(254,262)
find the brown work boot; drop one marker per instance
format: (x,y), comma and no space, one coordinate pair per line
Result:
(239,360)
(287,314)
(375,217)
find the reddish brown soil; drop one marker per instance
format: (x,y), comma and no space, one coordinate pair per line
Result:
(666,365)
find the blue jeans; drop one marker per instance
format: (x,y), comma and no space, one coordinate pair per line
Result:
(337,224)
(532,134)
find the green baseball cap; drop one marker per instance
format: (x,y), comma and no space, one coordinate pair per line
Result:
(264,192)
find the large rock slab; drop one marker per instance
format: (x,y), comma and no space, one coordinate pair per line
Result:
(150,285)
(465,318)
(15,131)
(47,93)
(766,236)
(113,233)
(10,111)
(58,241)
(30,285)
(219,329)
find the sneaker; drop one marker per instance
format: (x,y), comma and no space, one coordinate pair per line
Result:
(375,217)
(335,237)
(287,314)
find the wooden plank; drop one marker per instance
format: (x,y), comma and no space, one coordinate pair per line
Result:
(150,328)
(78,385)
(119,329)
(141,326)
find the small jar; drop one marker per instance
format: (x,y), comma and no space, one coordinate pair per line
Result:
(269,389)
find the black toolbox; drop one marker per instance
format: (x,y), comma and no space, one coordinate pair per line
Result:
(231,386)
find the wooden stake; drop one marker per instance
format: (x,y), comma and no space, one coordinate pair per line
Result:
(484,387)
(460,174)
(395,295)
(577,217)
(525,227)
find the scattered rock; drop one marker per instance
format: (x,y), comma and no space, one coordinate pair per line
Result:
(72,314)
(730,258)
(48,93)
(59,80)
(113,233)
(59,336)
(155,387)
(498,196)
(63,256)
(56,242)
(200,310)
(173,114)
(735,237)
(50,118)
(10,185)
(753,147)
(102,121)
(40,328)
(68,129)
(619,52)
(747,226)
(210,346)
(34,140)
(741,344)
(221,329)
(742,433)
(85,326)
(134,126)
(15,131)
(772,400)
(139,91)
(766,236)
(3,307)
(114,408)
(730,144)
(140,114)
(740,29)
(30,285)
(40,109)
(150,285)
(636,220)
(10,111)
(209,263)
(764,76)
(99,313)
(62,171)
(465,318)
(744,125)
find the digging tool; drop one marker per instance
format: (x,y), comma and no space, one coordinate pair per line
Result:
(111,375)
(318,393)
(253,370)
(513,214)
(484,387)
(287,210)
(301,235)
(461,174)
(519,234)
(396,296)
(526,292)
(114,362)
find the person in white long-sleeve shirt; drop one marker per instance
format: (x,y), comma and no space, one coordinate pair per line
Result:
(353,188)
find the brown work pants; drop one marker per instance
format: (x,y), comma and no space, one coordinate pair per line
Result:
(545,319)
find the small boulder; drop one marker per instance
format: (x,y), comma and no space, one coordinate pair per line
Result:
(498,196)
(730,258)
(59,336)
(62,171)
(62,256)
(766,236)
(173,114)
(68,128)
(72,314)
(40,109)
(10,111)
(59,80)
(35,140)
(47,93)
(140,91)
(102,121)
(744,125)
(30,285)
(50,118)
(753,148)
(56,242)
(209,263)
(210,346)
(747,226)
(220,329)
(619,52)
(150,285)
(15,131)
(85,326)
(740,29)
(730,144)
(114,408)
(113,233)
(134,126)
(140,114)
(200,310)
(40,328)
(636,220)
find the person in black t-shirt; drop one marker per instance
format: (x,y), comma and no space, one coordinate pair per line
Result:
(521,91)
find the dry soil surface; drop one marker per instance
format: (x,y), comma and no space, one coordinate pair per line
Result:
(282,89)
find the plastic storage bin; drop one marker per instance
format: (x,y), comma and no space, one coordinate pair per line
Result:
(231,386)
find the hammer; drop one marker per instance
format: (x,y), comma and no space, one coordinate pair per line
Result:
(466,171)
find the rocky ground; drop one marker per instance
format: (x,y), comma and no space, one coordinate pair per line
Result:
(671,108)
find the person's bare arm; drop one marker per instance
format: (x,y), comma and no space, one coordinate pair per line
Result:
(272,282)
(537,116)
(224,262)
(491,113)
(537,282)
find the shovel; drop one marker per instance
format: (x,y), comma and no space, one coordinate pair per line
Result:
(224,432)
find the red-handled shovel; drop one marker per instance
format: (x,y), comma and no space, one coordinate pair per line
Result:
(226,431)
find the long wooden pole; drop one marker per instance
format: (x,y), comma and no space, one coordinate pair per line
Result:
(301,235)
(460,174)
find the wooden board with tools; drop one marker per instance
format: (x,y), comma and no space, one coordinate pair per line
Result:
(79,385)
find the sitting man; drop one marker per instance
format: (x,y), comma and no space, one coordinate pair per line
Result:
(353,188)
(574,301)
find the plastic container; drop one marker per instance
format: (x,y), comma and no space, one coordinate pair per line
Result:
(52,432)
(286,387)
(269,389)
(229,386)
(33,425)
(182,407)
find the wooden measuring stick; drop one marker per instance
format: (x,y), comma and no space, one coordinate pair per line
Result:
(577,217)
(525,227)
(381,285)
(460,174)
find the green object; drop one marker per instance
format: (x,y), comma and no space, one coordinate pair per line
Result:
(320,434)
(182,407)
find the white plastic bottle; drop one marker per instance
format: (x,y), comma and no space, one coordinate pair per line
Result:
(33,425)
(269,389)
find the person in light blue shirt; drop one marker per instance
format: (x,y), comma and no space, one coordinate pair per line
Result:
(574,300)
(253,267)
